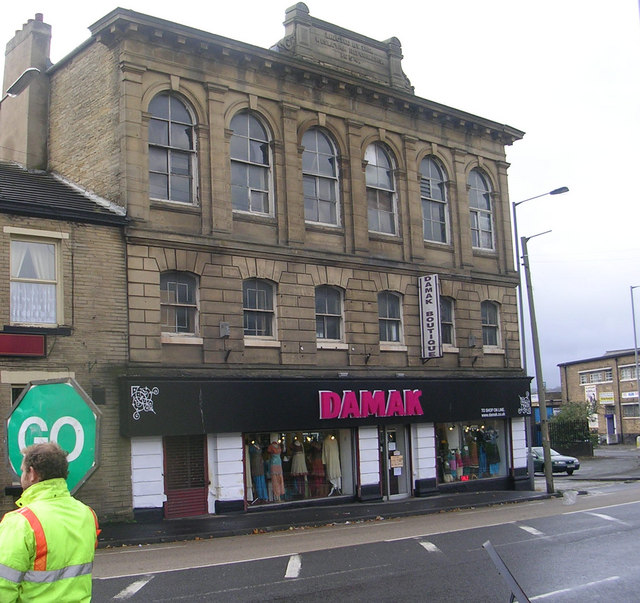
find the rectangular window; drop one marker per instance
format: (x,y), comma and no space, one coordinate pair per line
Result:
(627,373)
(34,282)
(596,376)
(630,411)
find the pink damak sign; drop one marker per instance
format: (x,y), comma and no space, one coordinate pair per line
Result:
(361,404)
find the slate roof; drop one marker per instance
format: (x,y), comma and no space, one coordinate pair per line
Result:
(41,194)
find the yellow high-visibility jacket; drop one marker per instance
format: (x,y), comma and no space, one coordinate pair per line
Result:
(47,546)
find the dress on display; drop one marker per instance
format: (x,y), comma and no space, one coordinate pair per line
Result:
(317,471)
(275,468)
(331,460)
(257,472)
(299,467)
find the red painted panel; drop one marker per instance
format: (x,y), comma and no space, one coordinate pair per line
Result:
(12,344)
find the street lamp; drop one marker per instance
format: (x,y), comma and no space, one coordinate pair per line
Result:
(555,191)
(24,79)
(635,342)
(523,347)
(544,425)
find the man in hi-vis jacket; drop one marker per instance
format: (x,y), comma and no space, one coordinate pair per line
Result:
(47,545)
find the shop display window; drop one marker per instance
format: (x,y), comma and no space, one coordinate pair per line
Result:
(471,450)
(290,466)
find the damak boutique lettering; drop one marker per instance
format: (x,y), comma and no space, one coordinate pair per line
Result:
(364,403)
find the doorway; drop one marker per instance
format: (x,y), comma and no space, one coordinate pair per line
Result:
(394,461)
(185,476)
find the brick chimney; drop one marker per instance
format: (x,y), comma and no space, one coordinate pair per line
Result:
(24,118)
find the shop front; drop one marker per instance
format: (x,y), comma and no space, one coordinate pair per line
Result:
(210,446)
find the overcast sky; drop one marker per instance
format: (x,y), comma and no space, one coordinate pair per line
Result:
(567,72)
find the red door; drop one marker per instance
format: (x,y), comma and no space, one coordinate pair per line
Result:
(185,476)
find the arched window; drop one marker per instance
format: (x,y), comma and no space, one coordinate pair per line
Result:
(481,212)
(390,316)
(172,150)
(258,307)
(490,323)
(447,328)
(320,178)
(381,191)
(250,165)
(328,313)
(179,302)
(434,201)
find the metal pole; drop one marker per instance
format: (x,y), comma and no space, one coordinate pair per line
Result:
(635,342)
(529,422)
(544,424)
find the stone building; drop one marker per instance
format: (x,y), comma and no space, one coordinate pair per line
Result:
(609,384)
(63,313)
(320,277)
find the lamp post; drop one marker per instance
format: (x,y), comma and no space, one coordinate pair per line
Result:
(555,191)
(635,341)
(523,347)
(24,79)
(544,425)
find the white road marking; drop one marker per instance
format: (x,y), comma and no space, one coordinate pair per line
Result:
(450,531)
(531,530)
(294,566)
(608,518)
(133,588)
(631,502)
(429,546)
(575,588)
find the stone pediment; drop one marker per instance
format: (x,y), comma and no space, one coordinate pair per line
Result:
(323,43)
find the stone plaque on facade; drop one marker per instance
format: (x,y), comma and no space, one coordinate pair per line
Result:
(324,43)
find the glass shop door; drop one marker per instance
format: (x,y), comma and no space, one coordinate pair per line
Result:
(394,461)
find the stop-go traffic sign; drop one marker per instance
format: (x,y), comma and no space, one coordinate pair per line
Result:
(57,410)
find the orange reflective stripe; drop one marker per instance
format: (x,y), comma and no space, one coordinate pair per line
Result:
(40,562)
(98,530)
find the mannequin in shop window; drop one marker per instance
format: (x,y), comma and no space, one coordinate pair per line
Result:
(257,473)
(299,468)
(275,469)
(317,483)
(331,461)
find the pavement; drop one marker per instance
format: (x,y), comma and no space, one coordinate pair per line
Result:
(609,463)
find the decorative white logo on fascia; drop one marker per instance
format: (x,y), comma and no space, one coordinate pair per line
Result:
(142,400)
(525,405)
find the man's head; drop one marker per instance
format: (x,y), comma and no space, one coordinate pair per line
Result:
(41,462)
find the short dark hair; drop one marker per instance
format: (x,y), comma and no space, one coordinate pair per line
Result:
(48,460)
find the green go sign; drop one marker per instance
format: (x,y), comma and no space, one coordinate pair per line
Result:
(56,411)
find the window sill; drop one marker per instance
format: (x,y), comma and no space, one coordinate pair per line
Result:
(249,216)
(261,343)
(180,206)
(332,345)
(392,347)
(492,350)
(484,251)
(173,338)
(324,227)
(385,236)
(450,349)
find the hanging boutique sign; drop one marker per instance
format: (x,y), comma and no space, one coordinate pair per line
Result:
(429,295)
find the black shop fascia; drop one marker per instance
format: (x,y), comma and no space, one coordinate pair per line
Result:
(164,406)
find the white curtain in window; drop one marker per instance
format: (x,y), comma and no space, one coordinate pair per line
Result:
(33,302)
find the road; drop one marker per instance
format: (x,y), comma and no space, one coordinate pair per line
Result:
(580,548)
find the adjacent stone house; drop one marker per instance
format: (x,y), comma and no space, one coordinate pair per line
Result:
(63,313)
